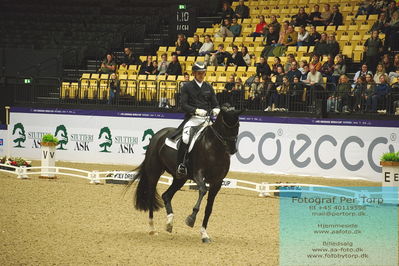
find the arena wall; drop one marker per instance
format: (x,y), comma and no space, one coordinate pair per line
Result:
(279,145)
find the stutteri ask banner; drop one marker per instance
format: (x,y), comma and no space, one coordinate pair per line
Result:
(300,146)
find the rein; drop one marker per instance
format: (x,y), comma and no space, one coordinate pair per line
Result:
(222,139)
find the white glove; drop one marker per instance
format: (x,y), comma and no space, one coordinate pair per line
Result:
(200,112)
(215,111)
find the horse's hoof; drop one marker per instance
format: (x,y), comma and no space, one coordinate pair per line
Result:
(169,228)
(206,240)
(190,221)
(153,233)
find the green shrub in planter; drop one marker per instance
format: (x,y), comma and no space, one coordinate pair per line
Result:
(49,140)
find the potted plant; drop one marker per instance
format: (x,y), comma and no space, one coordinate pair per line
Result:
(14,161)
(390,169)
(48,144)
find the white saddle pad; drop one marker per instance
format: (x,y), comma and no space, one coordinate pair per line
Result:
(173,144)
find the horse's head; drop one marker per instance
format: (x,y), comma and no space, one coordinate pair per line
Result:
(227,125)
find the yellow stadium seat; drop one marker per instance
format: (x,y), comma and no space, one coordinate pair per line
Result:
(65,90)
(85,76)
(347,50)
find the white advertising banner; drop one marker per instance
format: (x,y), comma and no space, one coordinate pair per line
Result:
(299,146)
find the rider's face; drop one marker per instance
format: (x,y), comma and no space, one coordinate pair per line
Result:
(199,75)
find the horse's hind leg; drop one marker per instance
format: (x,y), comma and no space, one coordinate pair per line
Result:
(190,220)
(167,199)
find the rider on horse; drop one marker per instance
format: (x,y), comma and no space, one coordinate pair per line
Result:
(197,99)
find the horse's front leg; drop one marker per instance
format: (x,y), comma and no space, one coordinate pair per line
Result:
(167,199)
(199,180)
(213,191)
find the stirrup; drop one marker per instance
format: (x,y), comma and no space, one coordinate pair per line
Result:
(181,171)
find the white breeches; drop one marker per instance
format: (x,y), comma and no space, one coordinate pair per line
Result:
(194,121)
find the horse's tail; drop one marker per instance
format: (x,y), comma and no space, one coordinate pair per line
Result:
(146,197)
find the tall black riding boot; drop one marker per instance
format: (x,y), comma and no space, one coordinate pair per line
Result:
(181,171)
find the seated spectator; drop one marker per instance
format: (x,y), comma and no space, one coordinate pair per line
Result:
(114,89)
(263,68)
(227,11)
(368,93)
(282,39)
(282,95)
(274,23)
(373,49)
(235,28)
(380,72)
(314,81)
(272,102)
(314,36)
(147,67)
(224,29)
(276,64)
(246,56)
(108,65)
(315,63)
(129,58)
(163,66)
(155,68)
(217,58)
(394,69)
(295,94)
(391,33)
(195,46)
(305,72)
(357,94)
(207,46)
(174,67)
(303,36)
(381,92)
(364,8)
(236,58)
(302,63)
(336,19)
(326,15)
(327,69)
(259,27)
(272,36)
(362,72)
(301,18)
(242,11)
(231,94)
(293,72)
(321,48)
(182,46)
(290,60)
(315,16)
(379,25)
(292,36)
(386,62)
(186,79)
(332,45)
(390,10)
(340,97)
(339,68)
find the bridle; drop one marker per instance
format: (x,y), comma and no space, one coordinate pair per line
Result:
(221,138)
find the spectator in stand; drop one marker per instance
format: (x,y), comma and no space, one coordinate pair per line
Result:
(236,58)
(227,11)
(390,10)
(305,72)
(302,63)
(381,92)
(282,95)
(394,69)
(301,18)
(314,36)
(263,68)
(369,90)
(276,64)
(315,63)
(373,48)
(336,18)
(114,89)
(207,46)
(314,81)
(174,67)
(321,47)
(365,8)
(339,68)
(380,71)
(195,46)
(235,28)
(163,66)
(129,58)
(391,33)
(182,46)
(362,72)
(295,94)
(155,68)
(341,96)
(108,66)
(217,58)
(332,45)
(147,67)
(386,62)
(275,23)
(290,60)
(282,39)
(272,36)
(246,56)
(242,11)
(303,36)
(224,29)
(379,25)
(259,27)
(327,68)
(292,36)
(186,79)
(273,92)
(315,16)
(324,17)
(293,72)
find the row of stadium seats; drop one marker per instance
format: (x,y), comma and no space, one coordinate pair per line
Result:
(252,3)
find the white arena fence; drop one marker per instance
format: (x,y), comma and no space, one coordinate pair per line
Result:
(264,189)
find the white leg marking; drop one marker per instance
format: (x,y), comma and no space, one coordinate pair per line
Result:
(169,222)
(203,233)
(152,227)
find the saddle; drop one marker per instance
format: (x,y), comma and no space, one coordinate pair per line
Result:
(174,138)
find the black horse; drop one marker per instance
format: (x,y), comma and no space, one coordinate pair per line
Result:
(209,162)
